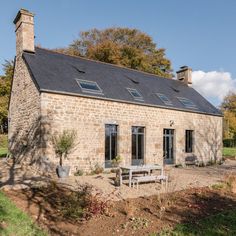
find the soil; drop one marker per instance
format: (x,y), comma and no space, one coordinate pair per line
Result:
(138,216)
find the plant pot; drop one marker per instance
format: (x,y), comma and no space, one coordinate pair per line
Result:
(117,182)
(63,171)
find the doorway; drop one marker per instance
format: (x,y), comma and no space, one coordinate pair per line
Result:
(168,146)
(137,145)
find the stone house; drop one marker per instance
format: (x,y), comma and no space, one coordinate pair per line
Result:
(114,110)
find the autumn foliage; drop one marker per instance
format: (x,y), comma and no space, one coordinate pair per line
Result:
(5,87)
(121,46)
(228,108)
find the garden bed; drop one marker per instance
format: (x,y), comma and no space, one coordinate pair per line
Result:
(139,216)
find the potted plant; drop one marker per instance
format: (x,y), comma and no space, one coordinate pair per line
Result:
(63,143)
(116,161)
(115,164)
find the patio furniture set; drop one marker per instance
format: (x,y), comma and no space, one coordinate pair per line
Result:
(142,174)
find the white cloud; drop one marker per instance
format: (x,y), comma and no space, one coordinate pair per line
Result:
(213,85)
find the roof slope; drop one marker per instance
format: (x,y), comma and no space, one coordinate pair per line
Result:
(58,73)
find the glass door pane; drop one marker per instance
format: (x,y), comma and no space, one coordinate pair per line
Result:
(137,145)
(110,144)
(134,145)
(168,146)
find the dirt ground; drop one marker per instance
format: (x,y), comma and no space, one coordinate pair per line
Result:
(131,211)
(140,216)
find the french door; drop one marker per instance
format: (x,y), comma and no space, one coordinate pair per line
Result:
(168,146)
(137,145)
(110,144)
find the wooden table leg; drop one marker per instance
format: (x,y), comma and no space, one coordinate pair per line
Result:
(130,177)
(120,172)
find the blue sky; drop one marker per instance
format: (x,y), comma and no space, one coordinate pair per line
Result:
(197,33)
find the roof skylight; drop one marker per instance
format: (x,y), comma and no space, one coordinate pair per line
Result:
(164,99)
(187,103)
(89,86)
(135,94)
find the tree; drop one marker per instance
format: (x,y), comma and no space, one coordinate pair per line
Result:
(5,87)
(228,108)
(122,46)
(229,102)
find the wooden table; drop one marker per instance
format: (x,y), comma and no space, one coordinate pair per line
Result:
(136,169)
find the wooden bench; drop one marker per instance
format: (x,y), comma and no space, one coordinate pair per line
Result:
(125,175)
(149,178)
(191,160)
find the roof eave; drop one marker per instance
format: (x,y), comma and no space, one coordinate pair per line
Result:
(127,102)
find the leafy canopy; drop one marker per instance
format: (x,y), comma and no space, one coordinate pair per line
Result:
(5,87)
(122,46)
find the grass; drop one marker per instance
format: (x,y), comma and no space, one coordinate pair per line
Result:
(3,145)
(220,224)
(229,151)
(15,222)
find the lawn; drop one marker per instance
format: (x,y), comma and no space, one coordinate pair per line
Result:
(229,151)
(14,222)
(220,224)
(3,145)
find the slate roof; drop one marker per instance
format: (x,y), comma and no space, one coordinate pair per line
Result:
(55,72)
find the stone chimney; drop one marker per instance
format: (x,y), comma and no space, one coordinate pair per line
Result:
(24,22)
(185,75)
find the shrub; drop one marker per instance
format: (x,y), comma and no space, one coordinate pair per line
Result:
(97,169)
(77,204)
(178,165)
(230,181)
(116,161)
(201,164)
(95,205)
(211,163)
(218,186)
(229,142)
(79,173)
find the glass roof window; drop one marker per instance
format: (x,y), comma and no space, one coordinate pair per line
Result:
(187,103)
(89,86)
(164,99)
(135,94)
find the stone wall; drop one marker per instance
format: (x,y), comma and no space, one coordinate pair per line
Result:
(24,115)
(88,117)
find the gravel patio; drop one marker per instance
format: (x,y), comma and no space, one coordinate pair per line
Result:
(17,177)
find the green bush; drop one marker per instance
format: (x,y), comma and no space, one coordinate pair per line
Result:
(73,205)
(97,169)
(229,142)
(116,161)
(79,173)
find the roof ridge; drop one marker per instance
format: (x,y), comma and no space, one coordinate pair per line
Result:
(106,63)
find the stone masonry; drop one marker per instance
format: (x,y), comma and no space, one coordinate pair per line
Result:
(88,117)
(24,115)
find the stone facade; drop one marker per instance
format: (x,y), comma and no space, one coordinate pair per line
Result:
(24,114)
(88,117)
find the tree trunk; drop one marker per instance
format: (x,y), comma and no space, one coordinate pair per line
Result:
(60,160)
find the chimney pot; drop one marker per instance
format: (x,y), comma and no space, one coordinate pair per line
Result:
(185,75)
(24,22)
